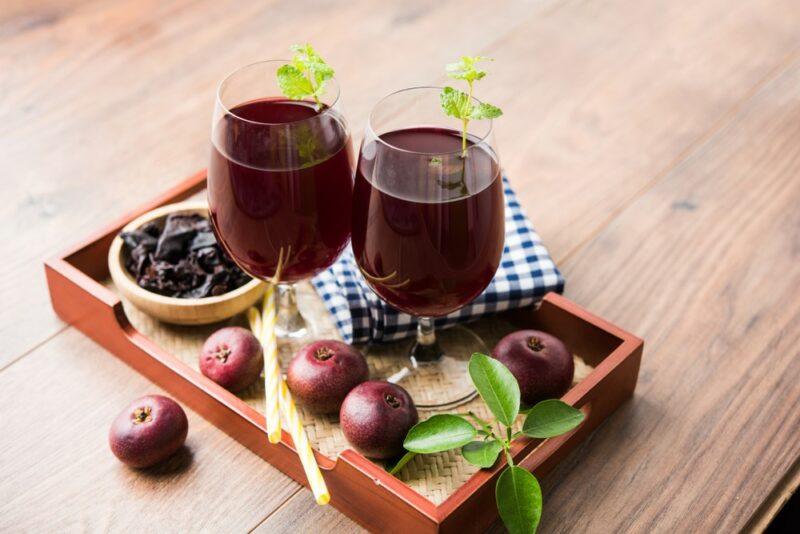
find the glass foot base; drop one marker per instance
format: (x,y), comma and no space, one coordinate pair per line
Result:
(434,385)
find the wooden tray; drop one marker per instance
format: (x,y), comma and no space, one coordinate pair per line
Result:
(359,488)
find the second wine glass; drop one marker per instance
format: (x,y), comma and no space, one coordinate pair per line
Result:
(428,232)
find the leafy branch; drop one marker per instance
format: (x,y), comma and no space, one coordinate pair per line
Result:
(518,495)
(459,104)
(305,76)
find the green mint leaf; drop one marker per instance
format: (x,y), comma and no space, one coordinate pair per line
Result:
(304,55)
(322,73)
(307,59)
(485,111)
(455,103)
(439,433)
(497,387)
(308,65)
(465,69)
(551,418)
(293,83)
(401,463)
(482,453)
(519,500)
(459,104)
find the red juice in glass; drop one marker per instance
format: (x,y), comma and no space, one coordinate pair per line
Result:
(428,231)
(280,182)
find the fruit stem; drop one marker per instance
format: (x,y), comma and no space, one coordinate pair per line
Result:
(535,344)
(485,427)
(465,123)
(222,353)
(391,400)
(324,353)
(509,459)
(480,421)
(143,414)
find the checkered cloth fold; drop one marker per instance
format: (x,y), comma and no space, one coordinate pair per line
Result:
(525,274)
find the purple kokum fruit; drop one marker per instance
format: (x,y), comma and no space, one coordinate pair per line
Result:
(151,429)
(322,373)
(540,362)
(232,357)
(375,418)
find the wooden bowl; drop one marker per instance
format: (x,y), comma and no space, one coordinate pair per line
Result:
(188,311)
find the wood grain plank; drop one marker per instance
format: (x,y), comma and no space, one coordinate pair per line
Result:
(777,507)
(611,95)
(17,16)
(113,99)
(58,473)
(706,267)
(295,515)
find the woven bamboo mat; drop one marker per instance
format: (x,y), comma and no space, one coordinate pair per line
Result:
(434,476)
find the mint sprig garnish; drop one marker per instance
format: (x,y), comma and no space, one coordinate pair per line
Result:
(518,495)
(459,104)
(305,76)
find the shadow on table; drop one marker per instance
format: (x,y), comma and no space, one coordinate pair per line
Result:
(174,465)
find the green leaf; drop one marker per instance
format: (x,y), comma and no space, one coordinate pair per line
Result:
(465,68)
(439,433)
(305,75)
(485,111)
(519,500)
(293,83)
(455,103)
(482,453)
(497,387)
(307,59)
(551,418)
(322,73)
(401,463)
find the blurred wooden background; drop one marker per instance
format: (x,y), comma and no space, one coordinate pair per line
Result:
(655,145)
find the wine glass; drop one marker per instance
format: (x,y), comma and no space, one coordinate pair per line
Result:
(280,183)
(428,232)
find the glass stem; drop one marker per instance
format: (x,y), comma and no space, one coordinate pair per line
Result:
(426,349)
(290,322)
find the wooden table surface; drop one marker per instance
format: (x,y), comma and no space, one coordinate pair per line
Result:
(655,145)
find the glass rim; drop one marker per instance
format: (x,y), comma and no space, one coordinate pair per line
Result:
(481,141)
(332,82)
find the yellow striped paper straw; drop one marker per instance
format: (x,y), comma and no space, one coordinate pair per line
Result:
(303,447)
(254,318)
(272,368)
(283,399)
(277,395)
(272,413)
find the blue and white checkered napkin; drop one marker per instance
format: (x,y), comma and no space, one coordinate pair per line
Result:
(525,274)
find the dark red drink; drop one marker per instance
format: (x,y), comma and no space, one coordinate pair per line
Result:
(428,229)
(280,179)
